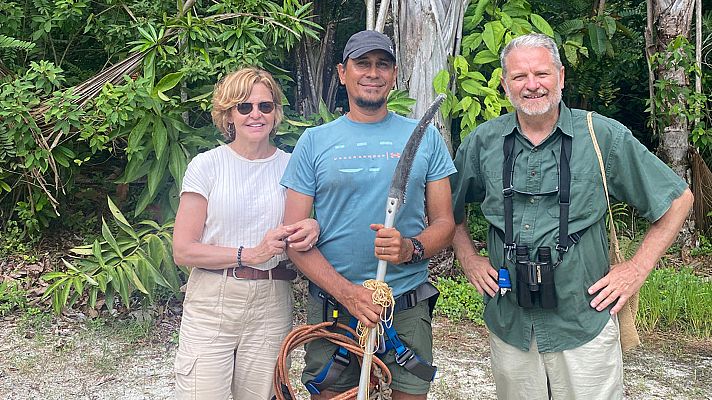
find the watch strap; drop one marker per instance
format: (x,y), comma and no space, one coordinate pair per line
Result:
(418,251)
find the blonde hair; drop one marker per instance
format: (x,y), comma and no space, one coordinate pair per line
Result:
(235,88)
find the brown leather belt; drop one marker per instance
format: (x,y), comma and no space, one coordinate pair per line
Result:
(279,273)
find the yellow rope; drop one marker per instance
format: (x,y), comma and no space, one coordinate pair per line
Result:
(383,296)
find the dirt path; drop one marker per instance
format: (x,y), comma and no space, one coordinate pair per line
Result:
(129,361)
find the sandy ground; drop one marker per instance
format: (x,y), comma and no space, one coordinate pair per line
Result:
(67,359)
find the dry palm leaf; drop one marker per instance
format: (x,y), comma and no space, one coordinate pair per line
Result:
(702,189)
(47,138)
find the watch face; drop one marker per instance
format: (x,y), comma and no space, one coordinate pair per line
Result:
(418,251)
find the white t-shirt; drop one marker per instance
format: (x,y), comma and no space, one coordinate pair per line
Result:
(245,199)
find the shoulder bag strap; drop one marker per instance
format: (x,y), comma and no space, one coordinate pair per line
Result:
(613,236)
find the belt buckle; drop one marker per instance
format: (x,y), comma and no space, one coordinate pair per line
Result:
(235,276)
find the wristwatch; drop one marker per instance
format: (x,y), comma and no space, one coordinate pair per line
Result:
(418,251)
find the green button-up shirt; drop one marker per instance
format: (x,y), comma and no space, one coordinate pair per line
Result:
(634,176)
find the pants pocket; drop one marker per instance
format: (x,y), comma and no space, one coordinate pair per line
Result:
(184,364)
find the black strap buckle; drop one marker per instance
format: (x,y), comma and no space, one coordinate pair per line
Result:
(508,192)
(561,249)
(410,299)
(404,357)
(341,359)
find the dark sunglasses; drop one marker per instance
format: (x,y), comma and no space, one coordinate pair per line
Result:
(265,107)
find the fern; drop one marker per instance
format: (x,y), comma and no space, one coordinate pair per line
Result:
(7,42)
(7,147)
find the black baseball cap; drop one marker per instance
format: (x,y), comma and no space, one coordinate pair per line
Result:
(362,42)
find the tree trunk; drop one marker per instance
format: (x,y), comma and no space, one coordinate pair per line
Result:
(426,33)
(671,19)
(316,78)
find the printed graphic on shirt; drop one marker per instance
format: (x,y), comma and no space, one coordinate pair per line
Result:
(351,160)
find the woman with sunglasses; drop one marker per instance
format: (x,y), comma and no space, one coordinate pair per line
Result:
(238,303)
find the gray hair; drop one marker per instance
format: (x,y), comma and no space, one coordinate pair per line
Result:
(531,40)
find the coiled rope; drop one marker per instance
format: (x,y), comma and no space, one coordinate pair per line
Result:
(308,333)
(383,296)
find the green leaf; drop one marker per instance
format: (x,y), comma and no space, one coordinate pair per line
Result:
(135,138)
(123,284)
(135,169)
(62,300)
(120,220)
(162,96)
(461,65)
(155,249)
(177,163)
(506,20)
(485,57)
(610,23)
(169,81)
(476,75)
(109,237)
(160,138)
(92,297)
(301,124)
(489,38)
(143,201)
(156,174)
(96,252)
(541,25)
(598,39)
(472,87)
(441,81)
(324,112)
(571,53)
(136,281)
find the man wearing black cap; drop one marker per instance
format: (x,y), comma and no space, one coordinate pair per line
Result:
(343,171)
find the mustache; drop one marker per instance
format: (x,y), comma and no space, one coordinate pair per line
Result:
(538,92)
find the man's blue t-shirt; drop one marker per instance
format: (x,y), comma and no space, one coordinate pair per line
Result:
(347,168)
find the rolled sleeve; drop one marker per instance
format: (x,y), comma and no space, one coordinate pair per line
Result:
(639,178)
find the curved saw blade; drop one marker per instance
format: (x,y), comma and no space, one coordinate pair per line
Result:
(402,171)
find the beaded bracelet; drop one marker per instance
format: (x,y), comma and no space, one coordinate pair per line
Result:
(239,256)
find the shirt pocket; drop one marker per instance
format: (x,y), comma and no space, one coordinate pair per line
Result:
(493,201)
(586,193)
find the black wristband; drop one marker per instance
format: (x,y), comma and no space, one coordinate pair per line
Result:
(239,256)
(418,251)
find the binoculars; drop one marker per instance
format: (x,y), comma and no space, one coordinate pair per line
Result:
(535,279)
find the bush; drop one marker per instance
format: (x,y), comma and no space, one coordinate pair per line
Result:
(459,300)
(12,297)
(676,300)
(477,223)
(133,264)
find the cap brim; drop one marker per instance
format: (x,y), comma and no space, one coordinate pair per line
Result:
(363,50)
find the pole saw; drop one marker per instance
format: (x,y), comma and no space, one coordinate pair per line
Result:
(396,197)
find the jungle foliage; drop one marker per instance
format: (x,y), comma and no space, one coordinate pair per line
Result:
(111,100)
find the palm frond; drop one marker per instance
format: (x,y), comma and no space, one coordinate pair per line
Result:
(702,189)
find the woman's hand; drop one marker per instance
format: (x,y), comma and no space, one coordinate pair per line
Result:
(303,234)
(271,245)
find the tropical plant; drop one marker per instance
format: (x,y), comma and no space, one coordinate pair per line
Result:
(147,125)
(132,264)
(488,27)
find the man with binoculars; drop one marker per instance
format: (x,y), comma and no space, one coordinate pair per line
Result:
(551,294)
